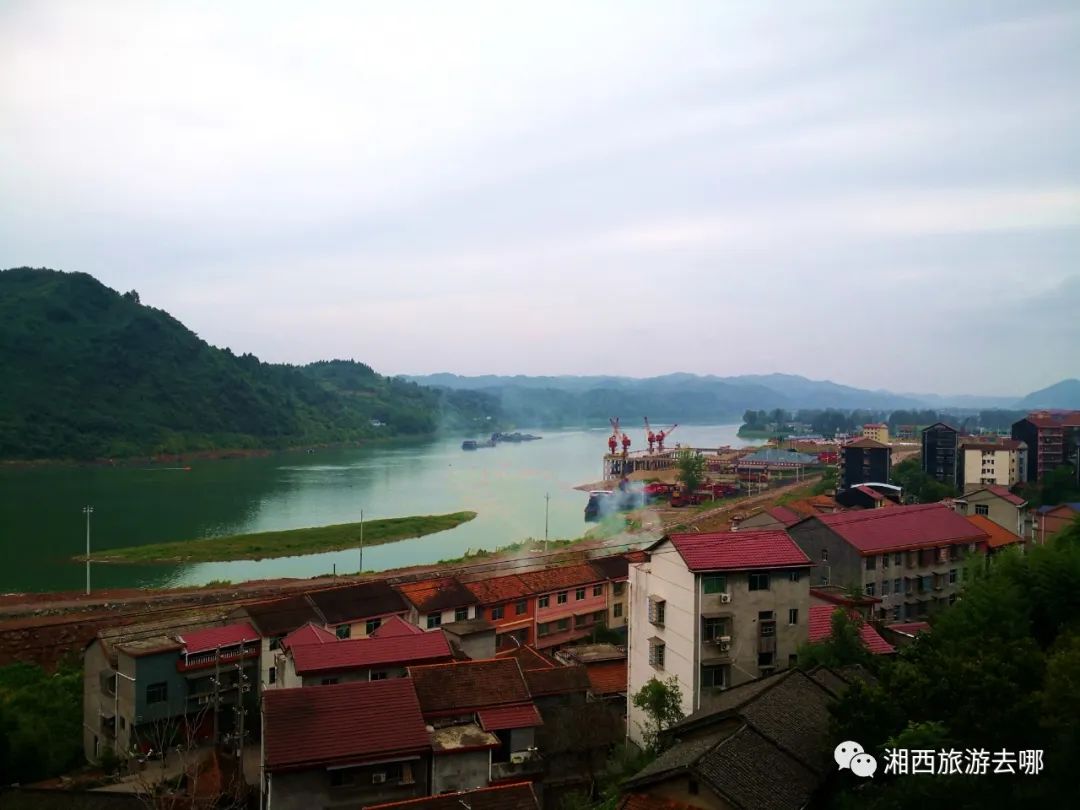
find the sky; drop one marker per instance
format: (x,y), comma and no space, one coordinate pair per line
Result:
(882,194)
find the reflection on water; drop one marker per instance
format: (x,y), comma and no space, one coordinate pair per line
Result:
(41,523)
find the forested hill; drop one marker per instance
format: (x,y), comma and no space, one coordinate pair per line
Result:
(88,373)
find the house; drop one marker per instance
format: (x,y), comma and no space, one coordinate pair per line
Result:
(571,601)
(1052,439)
(493,696)
(990,460)
(616,570)
(516,796)
(782,516)
(910,556)
(862,461)
(509,604)
(821,616)
(876,431)
(1049,520)
(434,601)
(996,502)
(997,537)
(940,459)
(605,668)
(715,610)
(764,745)
(346,745)
(355,611)
(471,638)
(861,496)
(273,620)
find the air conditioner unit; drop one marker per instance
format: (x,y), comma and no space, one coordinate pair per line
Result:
(724,640)
(378,778)
(725,598)
(519,758)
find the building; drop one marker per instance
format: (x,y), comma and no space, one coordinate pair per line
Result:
(605,667)
(876,431)
(985,461)
(1005,508)
(715,610)
(435,601)
(471,638)
(1052,439)
(863,461)
(355,611)
(571,601)
(940,460)
(616,570)
(1049,520)
(517,796)
(351,744)
(821,616)
(862,496)
(274,620)
(911,557)
(906,432)
(997,537)
(509,604)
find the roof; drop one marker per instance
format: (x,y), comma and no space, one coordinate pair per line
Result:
(360,601)
(561,578)
(936,425)
(507,717)
(499,589)
(462,737)
(784,515)
(464,686)
(646,801)
(468,627)
(909,628)
(309,634)
(528,657)
(735,551)
(557,681)
(518,796)
(441,593)
(873,494)
(361,653)
(211,638)
(1003,492)
(395,626)
(1072,507)
(771,455)
(873,531)
(821,629)
(998,535)
(607,678)
(149,638)
(615,567)
(591,653)
(279,617)
(342,724)
(1054,418)
(865,443)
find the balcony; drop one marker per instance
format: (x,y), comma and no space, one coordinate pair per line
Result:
(766,644)
(522,764)
(717,648)
(207,660)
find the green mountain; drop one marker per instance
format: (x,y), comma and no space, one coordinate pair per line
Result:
(89,373)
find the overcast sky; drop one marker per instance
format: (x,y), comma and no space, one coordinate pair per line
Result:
(883,194)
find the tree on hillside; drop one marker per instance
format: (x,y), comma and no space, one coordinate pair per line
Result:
(662,703)
(691,466)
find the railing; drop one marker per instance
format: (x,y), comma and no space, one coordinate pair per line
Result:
(208,659)
(531,764)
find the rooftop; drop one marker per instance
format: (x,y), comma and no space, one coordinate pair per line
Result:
(518,796)
(465,686)
(309,634)
(528,657)
(737,551)
(468,627)
(592,653)
(998,536)
(499,589)
(615,567)
(866,444)
(363,600)
(557,681)
(502,718)
(395,626)
(346,723)
(607,678)
(212,638)
(441,593)
(909,628)
(278,617)
(561,578)
(1054,418)
(821,629)
(362,653)
(462,737)
(873,531)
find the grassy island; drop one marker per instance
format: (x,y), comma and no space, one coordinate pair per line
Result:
(289,543)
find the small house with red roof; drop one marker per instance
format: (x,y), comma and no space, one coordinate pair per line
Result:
(999,504)
(346,745)
(714,610)
(911,557)
(437,601)
(571,601)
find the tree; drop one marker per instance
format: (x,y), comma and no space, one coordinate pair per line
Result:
(843,647)
(662,703)
(691,466)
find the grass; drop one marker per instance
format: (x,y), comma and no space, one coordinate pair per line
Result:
(290,543)
(530,544)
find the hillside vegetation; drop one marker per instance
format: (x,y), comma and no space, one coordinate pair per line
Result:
(90,373)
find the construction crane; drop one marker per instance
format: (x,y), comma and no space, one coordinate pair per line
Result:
(663,434)
(650,437)
(618,437)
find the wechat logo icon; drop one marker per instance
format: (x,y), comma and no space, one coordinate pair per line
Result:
(850,754)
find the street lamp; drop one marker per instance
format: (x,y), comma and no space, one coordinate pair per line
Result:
(88,510)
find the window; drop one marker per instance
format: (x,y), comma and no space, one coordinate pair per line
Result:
(461,614)
(157,692)
(871,562)
(714,583)
(343,777)
(870,589)
(561,597)
(434,620)
(275,643)
(271,675)
(521,607)
(824,555)
(759,582)
(982,509)
(714,677)
(952,576)
(616,610)
(657,611)
(898,559)
(562,624)
(896,585)
(618,588)
(381,675)
(497,612)
(599,615)
(543,629)
(597,590)
(329,681)
(765,659)
(712,628)
(656,653)
(884,587)
(579,594)
(343,631)
(793,616)
(372,625)
(544,601)
(794,576)
(884,560)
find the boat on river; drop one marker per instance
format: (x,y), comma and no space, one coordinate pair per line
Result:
(514,437)
(473,444)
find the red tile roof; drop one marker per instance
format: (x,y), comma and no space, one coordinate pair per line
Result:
(395,626)
(998,535)
(873,494)
(210,638)
(607,678)
(1003,492)
(309,634)
(441,593)
(785,515)
(821,629)
(361,653)
(737,551)
(557,681)
(506,717)
(561,578)
(499,589)
(518,796)
(528,657)
(1054,418)
(466,686)
(873,531)
(910,628)
(866,443)
(615,567)
(345,723)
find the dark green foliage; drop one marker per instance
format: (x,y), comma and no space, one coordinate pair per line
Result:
(843,647)
(918,486)
(1058,486)
(691,465)
(90,373)
(40,722)
(662,703)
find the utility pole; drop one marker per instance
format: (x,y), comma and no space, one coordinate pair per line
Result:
(547,504)
(88,510)
(217,689)
(361,541)
(241,688)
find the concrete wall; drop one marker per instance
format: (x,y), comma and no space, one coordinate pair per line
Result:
(1003,513)
(303,790)
(844,566)
(94,701)
(461,771)
(358,628)
(613,598)
(151,669)
(1001,467)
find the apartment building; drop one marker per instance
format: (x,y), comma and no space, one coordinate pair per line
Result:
(990,460)
(940,458)
(997,503)
(877,431)
(571,601)
(1052,439)
(911,557)
(864,461)
(715,610)
(433,602)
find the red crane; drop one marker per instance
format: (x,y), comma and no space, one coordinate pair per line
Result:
(613,439)
(650,437)
(663,434)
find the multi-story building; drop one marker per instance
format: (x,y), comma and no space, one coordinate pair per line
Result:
(509,604)
(940,457)
(864,461)
(990,460)
(358,610)
(435,601)
(1005,508)
(878,431)
(1052,439)
(571,602)
(616,570)
(911,557)
(715,610)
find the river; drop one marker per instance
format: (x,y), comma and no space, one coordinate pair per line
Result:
(42,524)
